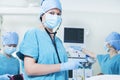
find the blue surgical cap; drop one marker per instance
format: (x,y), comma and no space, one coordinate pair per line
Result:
(114,40)
(10,38)
(49,4)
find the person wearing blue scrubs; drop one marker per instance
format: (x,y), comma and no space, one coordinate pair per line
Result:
(8,63)
(110,62)
(41,51)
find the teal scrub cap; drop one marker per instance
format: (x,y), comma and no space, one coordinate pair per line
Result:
(114,40)
(49,4)
(10,38)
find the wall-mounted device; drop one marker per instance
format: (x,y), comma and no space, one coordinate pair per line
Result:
(75,37)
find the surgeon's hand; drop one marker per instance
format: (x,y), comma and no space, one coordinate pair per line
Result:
(4,77)
(70,65)
(90,59)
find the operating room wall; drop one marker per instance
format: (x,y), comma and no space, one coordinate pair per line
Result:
(19,23)
(99,25)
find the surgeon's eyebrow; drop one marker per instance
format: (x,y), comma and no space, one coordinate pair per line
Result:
(12,45)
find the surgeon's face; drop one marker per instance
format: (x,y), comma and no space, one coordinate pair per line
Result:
(9,49)
(106,47)
(110,47)
(54,11)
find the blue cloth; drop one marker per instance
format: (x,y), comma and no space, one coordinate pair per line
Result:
(10,38)
(109,65)
(43,52)
(114,40)
(9,65)
(49,4)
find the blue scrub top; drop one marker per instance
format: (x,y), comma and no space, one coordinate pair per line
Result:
(37,44)
(109,65)
(9,65)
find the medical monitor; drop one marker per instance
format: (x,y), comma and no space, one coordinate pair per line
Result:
(74,35)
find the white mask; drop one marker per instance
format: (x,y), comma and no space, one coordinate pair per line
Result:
(52,21)
(106,48)
(9,50)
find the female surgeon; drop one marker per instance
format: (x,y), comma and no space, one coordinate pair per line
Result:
(9,64)
(110,62)
(44,57)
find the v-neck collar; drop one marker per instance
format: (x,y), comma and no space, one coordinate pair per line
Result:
(112,56)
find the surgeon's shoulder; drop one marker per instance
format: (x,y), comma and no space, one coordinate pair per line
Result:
(30,32)
(2,55)
(102,55)
(118,56)
(33,30)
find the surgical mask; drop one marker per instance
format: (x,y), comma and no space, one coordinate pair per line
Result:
(9,50)
(52,21)
(106,48)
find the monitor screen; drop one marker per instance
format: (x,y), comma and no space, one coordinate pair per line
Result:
(74,35)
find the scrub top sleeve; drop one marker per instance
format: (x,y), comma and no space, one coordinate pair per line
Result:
(100,58)
(29,45)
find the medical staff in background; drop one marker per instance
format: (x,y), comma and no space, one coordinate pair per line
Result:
(110,62)
(9,65)
(42,52)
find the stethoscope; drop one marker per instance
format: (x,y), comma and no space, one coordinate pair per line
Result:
(53,41)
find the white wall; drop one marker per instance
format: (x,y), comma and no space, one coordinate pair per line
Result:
(99,16)
(19,23)
(99,25)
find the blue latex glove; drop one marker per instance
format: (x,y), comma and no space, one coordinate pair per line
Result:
(89,59)
(76,48)
(4,77)
(71,64)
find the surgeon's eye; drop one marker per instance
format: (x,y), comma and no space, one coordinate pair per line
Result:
(12,45)
(54,13)
(59,14)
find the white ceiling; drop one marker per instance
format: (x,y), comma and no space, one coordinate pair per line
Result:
(73,5)
(92,5)
(19,3)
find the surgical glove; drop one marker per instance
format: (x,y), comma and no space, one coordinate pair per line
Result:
(70,65)
(4,77)
(76,48)
(90,59)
